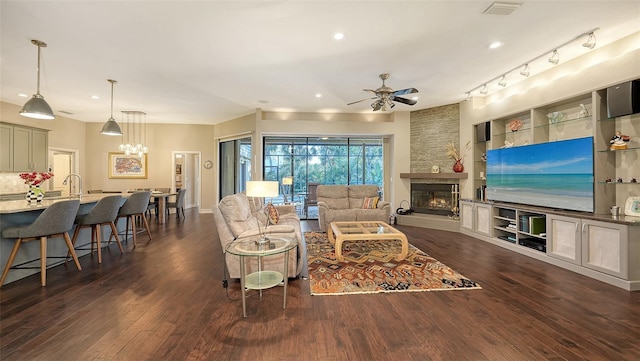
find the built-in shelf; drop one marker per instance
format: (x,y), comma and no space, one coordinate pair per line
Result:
(435,175)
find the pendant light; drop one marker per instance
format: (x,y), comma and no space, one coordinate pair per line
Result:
(111,127)
(37,107)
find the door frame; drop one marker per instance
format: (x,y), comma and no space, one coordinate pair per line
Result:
(75,156)
(198,173)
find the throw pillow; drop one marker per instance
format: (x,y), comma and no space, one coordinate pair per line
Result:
(370,202)
(272,212)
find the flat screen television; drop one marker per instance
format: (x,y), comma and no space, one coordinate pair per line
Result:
(555,174)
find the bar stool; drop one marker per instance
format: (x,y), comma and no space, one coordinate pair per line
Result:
(135,206)
(56,220)
(103,213)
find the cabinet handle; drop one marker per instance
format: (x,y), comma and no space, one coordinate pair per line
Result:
(576,227)
(583,224)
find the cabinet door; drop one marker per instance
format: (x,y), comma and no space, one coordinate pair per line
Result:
(466,215)
(21,149)
(39,150)
(483,217)
(6,148)
(564,238)
(605,247)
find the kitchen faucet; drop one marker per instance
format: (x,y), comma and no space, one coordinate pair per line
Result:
(79,183)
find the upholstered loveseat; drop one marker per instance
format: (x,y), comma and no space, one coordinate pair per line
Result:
(237,216)
(340,203)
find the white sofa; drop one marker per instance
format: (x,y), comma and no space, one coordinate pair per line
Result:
(237,216)
(341,203)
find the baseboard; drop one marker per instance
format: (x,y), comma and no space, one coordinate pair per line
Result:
(442,223)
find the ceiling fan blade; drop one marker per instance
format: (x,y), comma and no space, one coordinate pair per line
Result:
(404,100)
(361,100)
(405,91)
(370,91)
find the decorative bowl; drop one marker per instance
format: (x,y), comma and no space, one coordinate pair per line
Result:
(555,117)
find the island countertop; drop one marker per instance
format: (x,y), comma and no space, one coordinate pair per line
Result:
(17,206)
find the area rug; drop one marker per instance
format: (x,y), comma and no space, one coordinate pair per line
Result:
(371,267)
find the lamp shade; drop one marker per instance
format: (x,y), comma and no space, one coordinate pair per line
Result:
(287,180)
(111,127)
(37,108)
(262,189)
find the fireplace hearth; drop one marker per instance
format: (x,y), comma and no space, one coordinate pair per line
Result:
(439,199)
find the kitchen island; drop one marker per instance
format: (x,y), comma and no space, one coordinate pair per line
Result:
(21,212)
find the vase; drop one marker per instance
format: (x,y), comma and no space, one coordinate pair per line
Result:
(35,194)
(457,166)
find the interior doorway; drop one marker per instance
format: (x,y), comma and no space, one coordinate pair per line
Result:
(61,163)
(186,175)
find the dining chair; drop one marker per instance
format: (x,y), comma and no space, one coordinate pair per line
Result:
(55,221)
(103,213)
(178,204)
(134,208)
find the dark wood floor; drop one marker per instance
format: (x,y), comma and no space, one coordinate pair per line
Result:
(165,301)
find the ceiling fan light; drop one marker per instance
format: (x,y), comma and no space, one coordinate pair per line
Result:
(37,108)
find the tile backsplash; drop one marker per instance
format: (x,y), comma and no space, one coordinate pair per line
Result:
(12,183)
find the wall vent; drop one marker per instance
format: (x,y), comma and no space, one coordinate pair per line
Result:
(499,8)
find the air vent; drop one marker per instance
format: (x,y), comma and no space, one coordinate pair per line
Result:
(502,8)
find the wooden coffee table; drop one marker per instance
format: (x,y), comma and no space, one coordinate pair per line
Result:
(367,230)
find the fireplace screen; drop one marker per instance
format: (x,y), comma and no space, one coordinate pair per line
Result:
(433,198)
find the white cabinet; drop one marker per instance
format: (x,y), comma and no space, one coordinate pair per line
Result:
(564,239)
(601,246)
(23,149)
(605,247)
(475,217)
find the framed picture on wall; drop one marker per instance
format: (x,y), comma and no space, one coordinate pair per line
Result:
(178,168)
(123,166)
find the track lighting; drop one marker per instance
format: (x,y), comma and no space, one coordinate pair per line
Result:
(591,41)
(555,57)
(37,107)
(524,69)
(503,81)
(468,98)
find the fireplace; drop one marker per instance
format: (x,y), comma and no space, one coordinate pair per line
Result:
(434,198)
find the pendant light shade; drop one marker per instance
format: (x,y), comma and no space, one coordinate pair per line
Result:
(111,127)
(37,107)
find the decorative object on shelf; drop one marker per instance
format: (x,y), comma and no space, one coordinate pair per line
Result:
(515,125)
(584,112)
(555,117)
(620,180)
(507,144)
(452,151)
(632,207)
(615,211)
(608,180)
(633,180)
(34,180)
(619,141)
(435,169)
(483,157)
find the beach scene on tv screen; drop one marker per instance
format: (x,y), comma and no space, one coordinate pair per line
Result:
(555,174)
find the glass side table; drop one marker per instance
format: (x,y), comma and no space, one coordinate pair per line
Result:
(261,279)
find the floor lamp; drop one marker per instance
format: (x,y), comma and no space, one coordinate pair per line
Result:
(286,187)
(262,189)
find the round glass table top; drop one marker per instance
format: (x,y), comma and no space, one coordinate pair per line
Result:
(249,246)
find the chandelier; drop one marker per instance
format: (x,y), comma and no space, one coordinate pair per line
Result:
(134,132)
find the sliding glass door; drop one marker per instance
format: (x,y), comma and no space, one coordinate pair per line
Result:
(235,166)
(313,161)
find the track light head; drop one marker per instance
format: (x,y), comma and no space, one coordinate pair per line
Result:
(525,70)
(591,41)
(555,57)
(468,98)
(503,81)
(484,89)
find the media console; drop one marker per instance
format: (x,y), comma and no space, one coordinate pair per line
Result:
(603,247)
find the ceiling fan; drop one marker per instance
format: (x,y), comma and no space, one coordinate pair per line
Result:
(386,96)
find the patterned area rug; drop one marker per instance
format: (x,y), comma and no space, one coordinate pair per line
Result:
(371,267)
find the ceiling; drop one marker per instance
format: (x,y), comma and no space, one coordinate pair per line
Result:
(203,62)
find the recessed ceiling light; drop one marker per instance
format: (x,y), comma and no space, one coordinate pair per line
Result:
(263,101)
(318,95)
(495,45)
(22,95)
(95,97)
(338,36)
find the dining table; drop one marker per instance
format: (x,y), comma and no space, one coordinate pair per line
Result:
(161,200)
